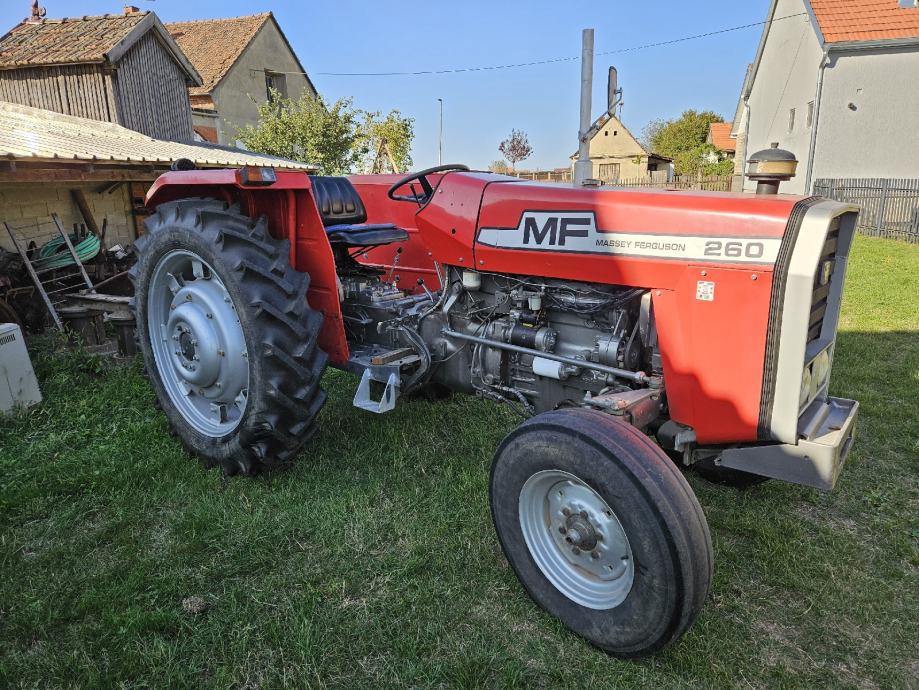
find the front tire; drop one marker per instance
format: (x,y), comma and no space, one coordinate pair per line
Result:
(228,338)
(602,530)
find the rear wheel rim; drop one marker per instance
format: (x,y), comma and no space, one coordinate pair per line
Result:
(198,343)
(576,540)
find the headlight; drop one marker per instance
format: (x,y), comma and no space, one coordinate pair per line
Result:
(805,387)
(821,368)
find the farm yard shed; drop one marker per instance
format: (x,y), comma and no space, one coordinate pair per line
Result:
(46,157)
(124,69)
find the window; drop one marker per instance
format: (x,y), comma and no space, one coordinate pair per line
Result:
(908,4)
(609,171)
(810,114)
(791,120)
(275,82)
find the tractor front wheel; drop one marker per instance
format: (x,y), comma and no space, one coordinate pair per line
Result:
(228,338)
(602,530)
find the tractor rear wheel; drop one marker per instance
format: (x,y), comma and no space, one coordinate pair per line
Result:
(228,338)
(602,530)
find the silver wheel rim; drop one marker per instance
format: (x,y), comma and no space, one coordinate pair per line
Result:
(198,343)
(576,540)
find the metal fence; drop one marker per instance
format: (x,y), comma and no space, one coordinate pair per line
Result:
(708,183)
(889,207)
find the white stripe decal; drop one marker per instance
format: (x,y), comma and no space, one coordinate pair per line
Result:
(576,231)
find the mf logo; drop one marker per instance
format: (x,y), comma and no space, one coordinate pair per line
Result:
(555,228)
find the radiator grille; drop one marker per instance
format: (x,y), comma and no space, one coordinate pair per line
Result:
(823,280)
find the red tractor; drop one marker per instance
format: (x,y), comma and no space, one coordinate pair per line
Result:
(638,330)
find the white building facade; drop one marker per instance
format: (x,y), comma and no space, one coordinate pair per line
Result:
(839,90)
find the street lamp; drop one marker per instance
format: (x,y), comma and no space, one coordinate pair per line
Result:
(440,137)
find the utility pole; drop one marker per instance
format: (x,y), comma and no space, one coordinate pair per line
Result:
(440,137)
(583,168)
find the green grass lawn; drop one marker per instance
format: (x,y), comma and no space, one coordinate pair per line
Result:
(373,563)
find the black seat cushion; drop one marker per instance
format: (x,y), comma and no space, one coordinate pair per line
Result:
(365,235)
(338,201)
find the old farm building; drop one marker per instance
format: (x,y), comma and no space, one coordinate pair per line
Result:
(125,69)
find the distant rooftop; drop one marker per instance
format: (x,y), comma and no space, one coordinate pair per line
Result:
(719,135)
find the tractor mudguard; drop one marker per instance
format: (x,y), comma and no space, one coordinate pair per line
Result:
(292,213)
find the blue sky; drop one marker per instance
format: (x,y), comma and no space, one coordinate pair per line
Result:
(480,108)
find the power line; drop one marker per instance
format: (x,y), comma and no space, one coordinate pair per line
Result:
(549,61)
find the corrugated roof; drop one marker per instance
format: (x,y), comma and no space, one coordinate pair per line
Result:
(214,45)
(719,136)
(66,41)
(865,20)
(33,134)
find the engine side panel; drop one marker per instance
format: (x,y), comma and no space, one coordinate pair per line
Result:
(712,350)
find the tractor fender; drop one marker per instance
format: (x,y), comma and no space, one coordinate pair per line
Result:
(291,212)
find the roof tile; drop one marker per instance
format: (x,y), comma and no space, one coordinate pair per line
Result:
(213,45)
(865,20)
(719,134)
(65,41)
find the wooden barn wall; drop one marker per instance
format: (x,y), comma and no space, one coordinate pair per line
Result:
(151,92)
(79,90)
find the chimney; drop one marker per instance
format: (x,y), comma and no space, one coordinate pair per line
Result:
(130,9)
(37,13)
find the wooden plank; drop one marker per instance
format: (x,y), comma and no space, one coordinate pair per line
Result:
(77,174)
(79,199)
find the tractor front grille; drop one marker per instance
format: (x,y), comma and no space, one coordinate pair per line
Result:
(826,270)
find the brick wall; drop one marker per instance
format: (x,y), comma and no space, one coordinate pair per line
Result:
(23,204)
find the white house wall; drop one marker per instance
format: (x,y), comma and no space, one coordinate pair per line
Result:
(787,78)
(880,136)
(243,88)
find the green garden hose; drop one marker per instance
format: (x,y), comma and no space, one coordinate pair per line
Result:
(54,254)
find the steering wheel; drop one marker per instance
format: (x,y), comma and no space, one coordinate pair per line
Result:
(422,177)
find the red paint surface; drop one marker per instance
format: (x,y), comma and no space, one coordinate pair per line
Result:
(712,351)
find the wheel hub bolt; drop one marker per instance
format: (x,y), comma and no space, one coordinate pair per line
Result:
(595,555)
(562,529)
(566,512)
(576,551)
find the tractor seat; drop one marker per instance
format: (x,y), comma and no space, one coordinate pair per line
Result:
(344,217)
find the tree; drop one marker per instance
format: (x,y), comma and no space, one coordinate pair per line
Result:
(683,140)
(338,138)
(308,130)
(498,166)
(385,137)
(515,148)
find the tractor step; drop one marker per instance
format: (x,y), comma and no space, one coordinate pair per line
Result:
(387,401)
(379,365)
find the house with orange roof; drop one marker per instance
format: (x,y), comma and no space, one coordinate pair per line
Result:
(719,136)
(836,82)
(242,62)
